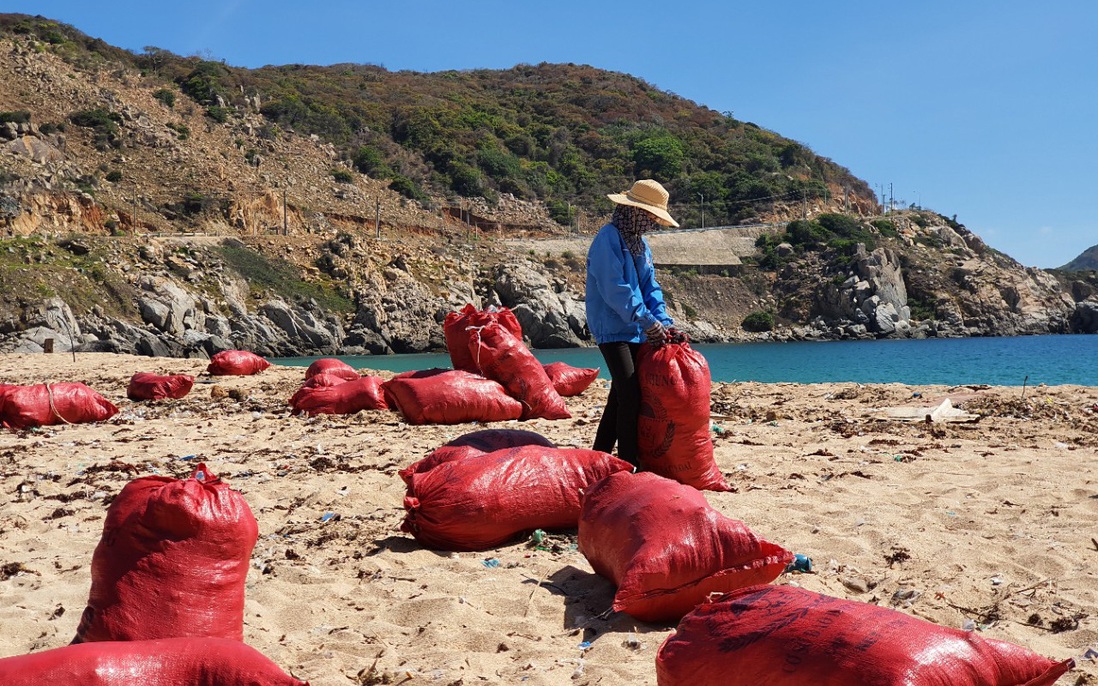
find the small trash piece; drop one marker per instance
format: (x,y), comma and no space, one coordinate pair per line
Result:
(490,563)
(328,516)
(800,563)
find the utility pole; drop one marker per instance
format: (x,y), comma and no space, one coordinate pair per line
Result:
(703,209)
(891,199)
(377,217)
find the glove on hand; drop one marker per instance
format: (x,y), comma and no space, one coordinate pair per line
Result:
(676,336)
(655,334)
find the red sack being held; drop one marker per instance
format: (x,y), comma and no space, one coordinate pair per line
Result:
(22,407)
(505,358)
(569,380)
(449,396)
(146,386)
(364,393)
(673,427)
(666,549)
(456,329)
(472,444)
(172,561)
(789,636)
(236,363)
(331,365)
(165,662)
(486,500)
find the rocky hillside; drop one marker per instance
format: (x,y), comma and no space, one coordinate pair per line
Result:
(131,223)
(1086,261)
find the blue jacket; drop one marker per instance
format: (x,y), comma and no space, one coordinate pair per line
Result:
(623,297)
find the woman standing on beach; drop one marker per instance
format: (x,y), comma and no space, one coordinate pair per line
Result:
(625,306)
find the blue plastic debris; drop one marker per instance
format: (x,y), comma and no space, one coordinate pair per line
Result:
(327,516)
(800,563)
(490,563)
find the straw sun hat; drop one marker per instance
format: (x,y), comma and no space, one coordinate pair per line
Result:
(648,195)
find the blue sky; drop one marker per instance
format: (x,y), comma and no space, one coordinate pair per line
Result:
(980,109)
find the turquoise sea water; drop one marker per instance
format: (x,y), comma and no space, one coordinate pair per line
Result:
(1012,361)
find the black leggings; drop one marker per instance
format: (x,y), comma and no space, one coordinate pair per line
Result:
(619,419)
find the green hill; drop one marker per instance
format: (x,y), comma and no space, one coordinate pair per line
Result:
(561,134)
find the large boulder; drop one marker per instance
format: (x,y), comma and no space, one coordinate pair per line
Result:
(168,307)
(549,316)
(401,311)
(1085,317)
(323,335)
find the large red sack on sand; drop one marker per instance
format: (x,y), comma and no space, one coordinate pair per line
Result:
(505,358)
(172,561)
(449,396)
(147,386)
(325,379)
(46,404)
(569,380)
(331,365)
(472,444)
(666,549)
(789,636)
(363,393)
(486,500)
(673,428)
(456,329)
(236,363)
(166,662)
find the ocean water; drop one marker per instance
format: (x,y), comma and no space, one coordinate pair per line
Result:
(1010,361)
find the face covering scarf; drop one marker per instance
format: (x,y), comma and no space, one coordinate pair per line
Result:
(632,223)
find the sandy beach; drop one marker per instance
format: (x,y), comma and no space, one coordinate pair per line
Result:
(989,522)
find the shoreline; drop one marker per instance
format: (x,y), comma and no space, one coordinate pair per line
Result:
(1006,361)
(987,523)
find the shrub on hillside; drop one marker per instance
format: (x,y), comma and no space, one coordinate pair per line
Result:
(16,117)
(103,123)
(758,322)
(165,96)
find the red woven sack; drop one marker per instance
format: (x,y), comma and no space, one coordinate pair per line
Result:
(236,363)
(331,365)
(449,396)
(456,329)
(22,407)
(673,428)
(505,358)
(666,549)
(789,636)
(165,662)
(486,500)
(569,380)
(475,443)
(325,379)
(172,561)
(364,393)
(147,386)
